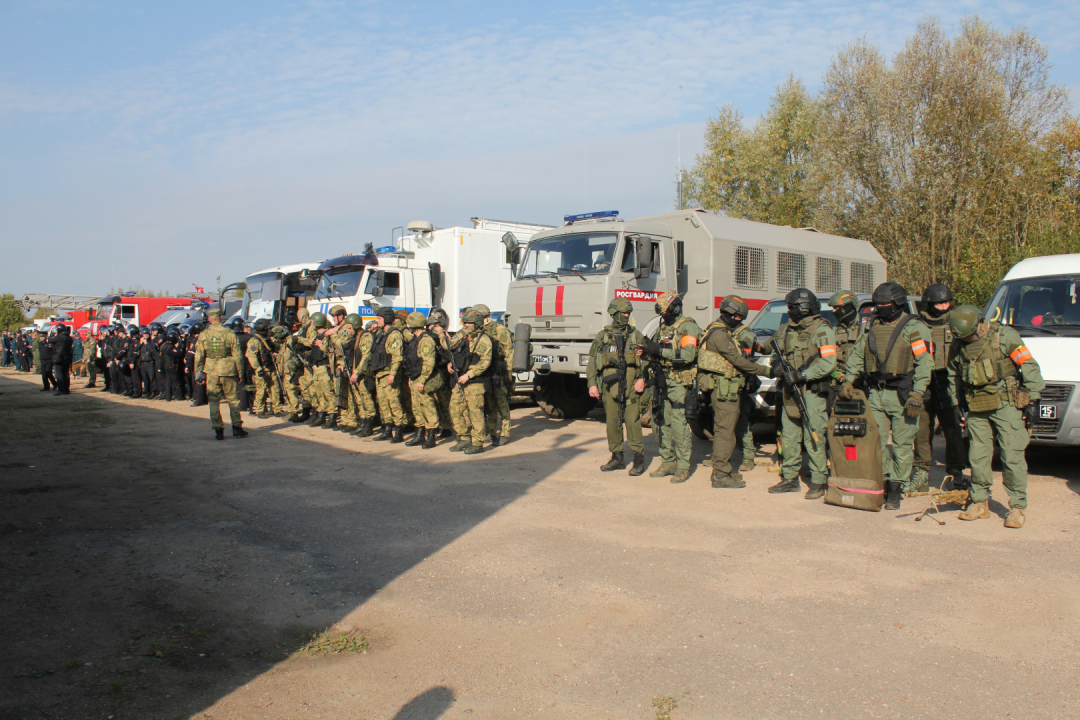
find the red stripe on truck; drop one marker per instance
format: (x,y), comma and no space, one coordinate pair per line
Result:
(558,299)
(540,300)
(752,304)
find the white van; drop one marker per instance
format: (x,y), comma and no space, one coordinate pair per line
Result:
(1040,298)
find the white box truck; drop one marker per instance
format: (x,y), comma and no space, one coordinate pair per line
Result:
(1040,298)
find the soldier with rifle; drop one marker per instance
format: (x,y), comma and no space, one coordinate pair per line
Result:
(437,322)
(290,368)
(804,356)
(426,378)
(260,359)
(614,373)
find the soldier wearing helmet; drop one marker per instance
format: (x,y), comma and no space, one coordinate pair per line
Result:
(993,375)
(354,346)
(218,365)
(808,343)
(260,358)
(615,375)
(498,407)
(893,360)
(386,360)
(172,358)
(723,370)
(321,361)
(673,354)
(425,376)
(290,369)
(845,307)
(473,358)
(935,311)
(438,322)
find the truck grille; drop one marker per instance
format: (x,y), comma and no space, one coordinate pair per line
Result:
(1046,427)
(1057,393)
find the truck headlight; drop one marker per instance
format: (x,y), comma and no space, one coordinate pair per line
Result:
(583,359)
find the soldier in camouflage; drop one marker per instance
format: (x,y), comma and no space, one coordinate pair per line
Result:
(220,365)
(473,357)
(994,376)
(498,407)
(90,358)
(386,360)
(615,373)
(438,321)
(426,378)
(260,358)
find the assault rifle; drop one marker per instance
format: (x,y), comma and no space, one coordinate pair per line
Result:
(800,401)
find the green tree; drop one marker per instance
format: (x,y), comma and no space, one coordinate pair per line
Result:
(11,317)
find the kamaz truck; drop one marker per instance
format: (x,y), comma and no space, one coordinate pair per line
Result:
(569,275)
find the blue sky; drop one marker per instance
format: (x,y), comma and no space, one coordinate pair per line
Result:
(166,143)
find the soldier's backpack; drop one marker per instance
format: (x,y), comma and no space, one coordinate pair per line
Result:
(854,442)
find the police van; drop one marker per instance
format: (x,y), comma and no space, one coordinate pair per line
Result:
(452,268)
(1040,298)
(570,274)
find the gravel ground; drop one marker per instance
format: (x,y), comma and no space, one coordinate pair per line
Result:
(151,572)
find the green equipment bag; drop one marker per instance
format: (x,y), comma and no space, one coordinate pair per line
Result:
(854,442)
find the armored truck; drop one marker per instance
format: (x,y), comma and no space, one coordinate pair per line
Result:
(568,275)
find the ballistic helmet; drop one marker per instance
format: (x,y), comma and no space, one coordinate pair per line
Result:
(802,303)
(620,305)
(303,316)
(63,329)
(934,295)
(318,320)
(734,305)
(438,316)
(262,326)
(483,309)
(415,320)
(402,315)
(338,310)
(890,292)
(668,303)
(965,320)
(387,314)
(473,317)
(355,321)
(134,331)
(236,324)
(845,306)
(279,331)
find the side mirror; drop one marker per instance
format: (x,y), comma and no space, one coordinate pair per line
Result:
(436,275)
(380,284)
(643,251)
(510,241)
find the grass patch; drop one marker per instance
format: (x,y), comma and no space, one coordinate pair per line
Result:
(335,642)
(665,705)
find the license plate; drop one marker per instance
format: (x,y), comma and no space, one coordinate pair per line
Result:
(1048,412)
(541,359)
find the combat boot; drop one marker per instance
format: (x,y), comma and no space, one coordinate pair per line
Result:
(292,418)
(815,491)
(239,431)
(959,481)
(419,438)
(446,433)
(262,416)
(317,419)
(786,485)
(331,421)
(734,480)
(219,433)
(638,467)
(1015,519)
(748,464)
(461,445)
(397,435)
(681,475)
(707,462)
(364,430)
(665,469)
(431,439)
(893,494)
(495,440)
(474,449)
(387,432)
(615,463)
(975,511)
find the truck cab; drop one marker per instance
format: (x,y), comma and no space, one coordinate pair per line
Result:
(274,292)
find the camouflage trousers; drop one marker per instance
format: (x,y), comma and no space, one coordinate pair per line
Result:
(457,412)
(291,395)
(91,369)
(323,390)
(267,391)
(425,408)
(498,408)
(306,385)
(361,404)
(391,406)
(468,404)
(218,387)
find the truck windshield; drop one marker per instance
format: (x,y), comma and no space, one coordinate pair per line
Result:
(578,254)
(262,289)
(339,282)
(775,314)
(1048,305)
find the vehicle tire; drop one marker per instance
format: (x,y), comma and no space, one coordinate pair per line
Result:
(563,397)
(702,425)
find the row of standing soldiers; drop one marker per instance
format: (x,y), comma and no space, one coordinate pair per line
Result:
(946,367)
(50,354)
(403,370)
(155,363)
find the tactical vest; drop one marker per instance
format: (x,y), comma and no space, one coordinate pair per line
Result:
(896,369)
(380,358)
(941,337)
(214,346)
(989,376)
(801,354)
(608,354)
(668,334)
(414,364)
(720,376)
(465,358)
(263,352)
(846,337)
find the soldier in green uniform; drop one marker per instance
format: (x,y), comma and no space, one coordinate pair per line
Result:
(361,378)
(425,380)
(473,357)
(437,322)
(319,356)
(723,369)
(498,403)
(386,360)
(290,368)
(809,347)
(673,353)
(994,376)
(261,360)
(893,360)
(90,358)
(935,313)
(845,308)
(346,347)
(220,365)
(615,374)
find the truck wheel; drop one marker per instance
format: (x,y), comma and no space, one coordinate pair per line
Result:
(563,397)
(702,425)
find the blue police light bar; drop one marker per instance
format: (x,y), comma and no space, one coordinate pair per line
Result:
(571,219)
(386,249)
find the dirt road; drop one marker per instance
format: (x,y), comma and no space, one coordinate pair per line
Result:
(151,572)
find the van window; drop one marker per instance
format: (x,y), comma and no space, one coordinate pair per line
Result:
(580,254)
(749,268)
(774,314)
(127,312)
(339,282)
(391,283)
(862,278)
(629,261)
(827,276)
(1048,303)
(790,271)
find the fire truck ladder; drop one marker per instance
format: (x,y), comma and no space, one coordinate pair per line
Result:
(33,301)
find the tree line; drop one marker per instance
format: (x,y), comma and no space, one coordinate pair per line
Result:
(956,159)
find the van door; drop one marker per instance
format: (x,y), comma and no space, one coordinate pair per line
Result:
(421,290)
(642,292)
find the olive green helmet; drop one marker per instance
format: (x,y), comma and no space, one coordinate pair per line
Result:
(338,310)
(483,309)
(279,331)
(318,320)
(844,297)
(438,316)
(965,320)
(355,320)
(416,320)
(471,316)
(734,305)
(620,305)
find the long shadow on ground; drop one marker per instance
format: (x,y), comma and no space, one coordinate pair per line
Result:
(149,570)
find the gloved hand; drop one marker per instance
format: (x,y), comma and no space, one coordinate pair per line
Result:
(651,347)
(793,378)
(201,378)
(847,391)
(914,407)
(1031,413)
(959,414)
